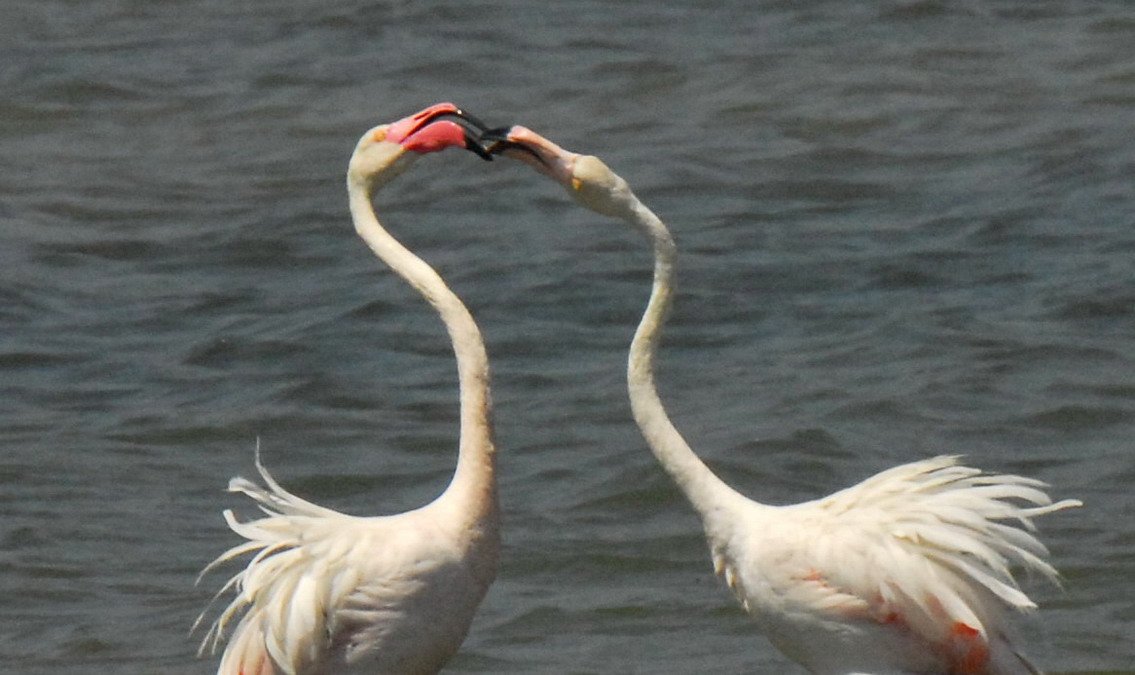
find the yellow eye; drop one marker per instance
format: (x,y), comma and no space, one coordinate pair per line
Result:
(379,135)
(576,184)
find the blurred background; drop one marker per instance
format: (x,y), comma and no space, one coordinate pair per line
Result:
(906,230)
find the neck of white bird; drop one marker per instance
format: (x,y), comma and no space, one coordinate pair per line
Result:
(705,491)
(472,492)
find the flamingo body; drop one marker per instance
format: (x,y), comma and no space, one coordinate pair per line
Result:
(325,593)
(396,594)
(906,573)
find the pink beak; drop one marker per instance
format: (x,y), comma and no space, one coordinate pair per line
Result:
(436,136)
(424,132)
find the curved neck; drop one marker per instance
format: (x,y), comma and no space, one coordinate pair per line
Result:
(472,485)
(704,489)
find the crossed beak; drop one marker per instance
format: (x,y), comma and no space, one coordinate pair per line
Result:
(415,130)
(432,128)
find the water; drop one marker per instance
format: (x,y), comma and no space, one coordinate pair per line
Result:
(906,230)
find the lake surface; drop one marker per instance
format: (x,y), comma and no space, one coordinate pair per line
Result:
(906,230)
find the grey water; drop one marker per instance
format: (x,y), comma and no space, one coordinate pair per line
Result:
(906,230)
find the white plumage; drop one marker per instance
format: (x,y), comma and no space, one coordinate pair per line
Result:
(910,568)
(906,573)
(327,593)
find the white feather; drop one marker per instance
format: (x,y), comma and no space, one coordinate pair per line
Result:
(907,572)
(323,592)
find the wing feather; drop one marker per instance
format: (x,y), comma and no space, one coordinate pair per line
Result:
(285,592)
(929,545)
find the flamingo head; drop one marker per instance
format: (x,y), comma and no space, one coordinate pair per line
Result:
(388,149)
(586,178)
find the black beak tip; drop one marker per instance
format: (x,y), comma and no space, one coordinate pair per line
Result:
(462,113)
(497,135)
(495,141)
(474,146)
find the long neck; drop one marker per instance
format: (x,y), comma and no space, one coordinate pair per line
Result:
(473,489)
(704,490)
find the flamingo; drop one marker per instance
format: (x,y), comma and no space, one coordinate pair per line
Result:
(328,592)
(907,572)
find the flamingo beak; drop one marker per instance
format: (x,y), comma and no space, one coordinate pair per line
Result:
(500,140)
(525,145)
(437,127)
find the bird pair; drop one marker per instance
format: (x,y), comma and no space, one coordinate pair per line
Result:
(908,572)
